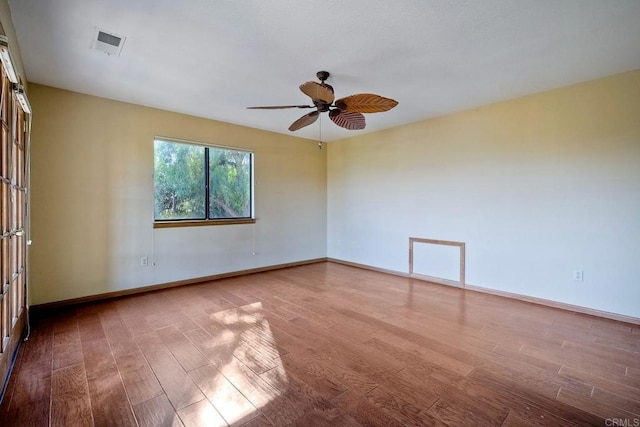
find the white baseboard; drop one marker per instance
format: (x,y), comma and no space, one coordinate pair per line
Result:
(511,295)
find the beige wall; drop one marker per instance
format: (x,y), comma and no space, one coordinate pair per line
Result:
(92,199)
(537,187)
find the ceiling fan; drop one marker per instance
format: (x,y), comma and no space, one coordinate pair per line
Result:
(345,112)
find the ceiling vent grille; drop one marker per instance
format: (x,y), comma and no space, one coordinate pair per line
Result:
(107,42)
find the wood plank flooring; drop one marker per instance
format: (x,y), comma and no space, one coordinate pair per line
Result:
(323,345)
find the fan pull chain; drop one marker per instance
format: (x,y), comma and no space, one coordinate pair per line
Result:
(320,127)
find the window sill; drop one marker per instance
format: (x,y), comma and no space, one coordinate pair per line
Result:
(198,223)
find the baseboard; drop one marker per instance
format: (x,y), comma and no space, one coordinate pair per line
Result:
(368,267)
(556,304)
(540,301)
(39,308)
(504,294)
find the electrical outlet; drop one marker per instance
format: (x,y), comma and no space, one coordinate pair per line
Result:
(144,261)
(578,275)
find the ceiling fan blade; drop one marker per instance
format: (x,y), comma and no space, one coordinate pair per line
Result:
(279,107)
(319,92)
(303,121)
(347,119)
(366,103)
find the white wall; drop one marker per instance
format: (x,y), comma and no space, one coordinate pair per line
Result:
(537,187)
(92,199)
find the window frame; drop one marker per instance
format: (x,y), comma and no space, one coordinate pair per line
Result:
(191,222)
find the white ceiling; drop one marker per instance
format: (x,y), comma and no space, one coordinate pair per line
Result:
(213,58)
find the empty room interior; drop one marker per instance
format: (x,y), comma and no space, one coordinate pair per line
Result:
(363,213)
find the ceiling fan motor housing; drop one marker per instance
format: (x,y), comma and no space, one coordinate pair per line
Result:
(322,106)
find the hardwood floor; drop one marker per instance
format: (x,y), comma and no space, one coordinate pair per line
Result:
(323,345)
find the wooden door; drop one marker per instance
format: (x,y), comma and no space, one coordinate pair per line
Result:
(13,223)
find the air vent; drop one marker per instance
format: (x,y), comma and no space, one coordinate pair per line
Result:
(107,42)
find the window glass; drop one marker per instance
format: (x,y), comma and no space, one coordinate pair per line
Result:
(179,181)
(195,182)
(229,183)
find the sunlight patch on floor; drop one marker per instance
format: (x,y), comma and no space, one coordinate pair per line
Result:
(237,390)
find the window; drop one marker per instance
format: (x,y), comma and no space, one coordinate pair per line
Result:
(199,185)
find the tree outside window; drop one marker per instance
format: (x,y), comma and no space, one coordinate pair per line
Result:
(195,182)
